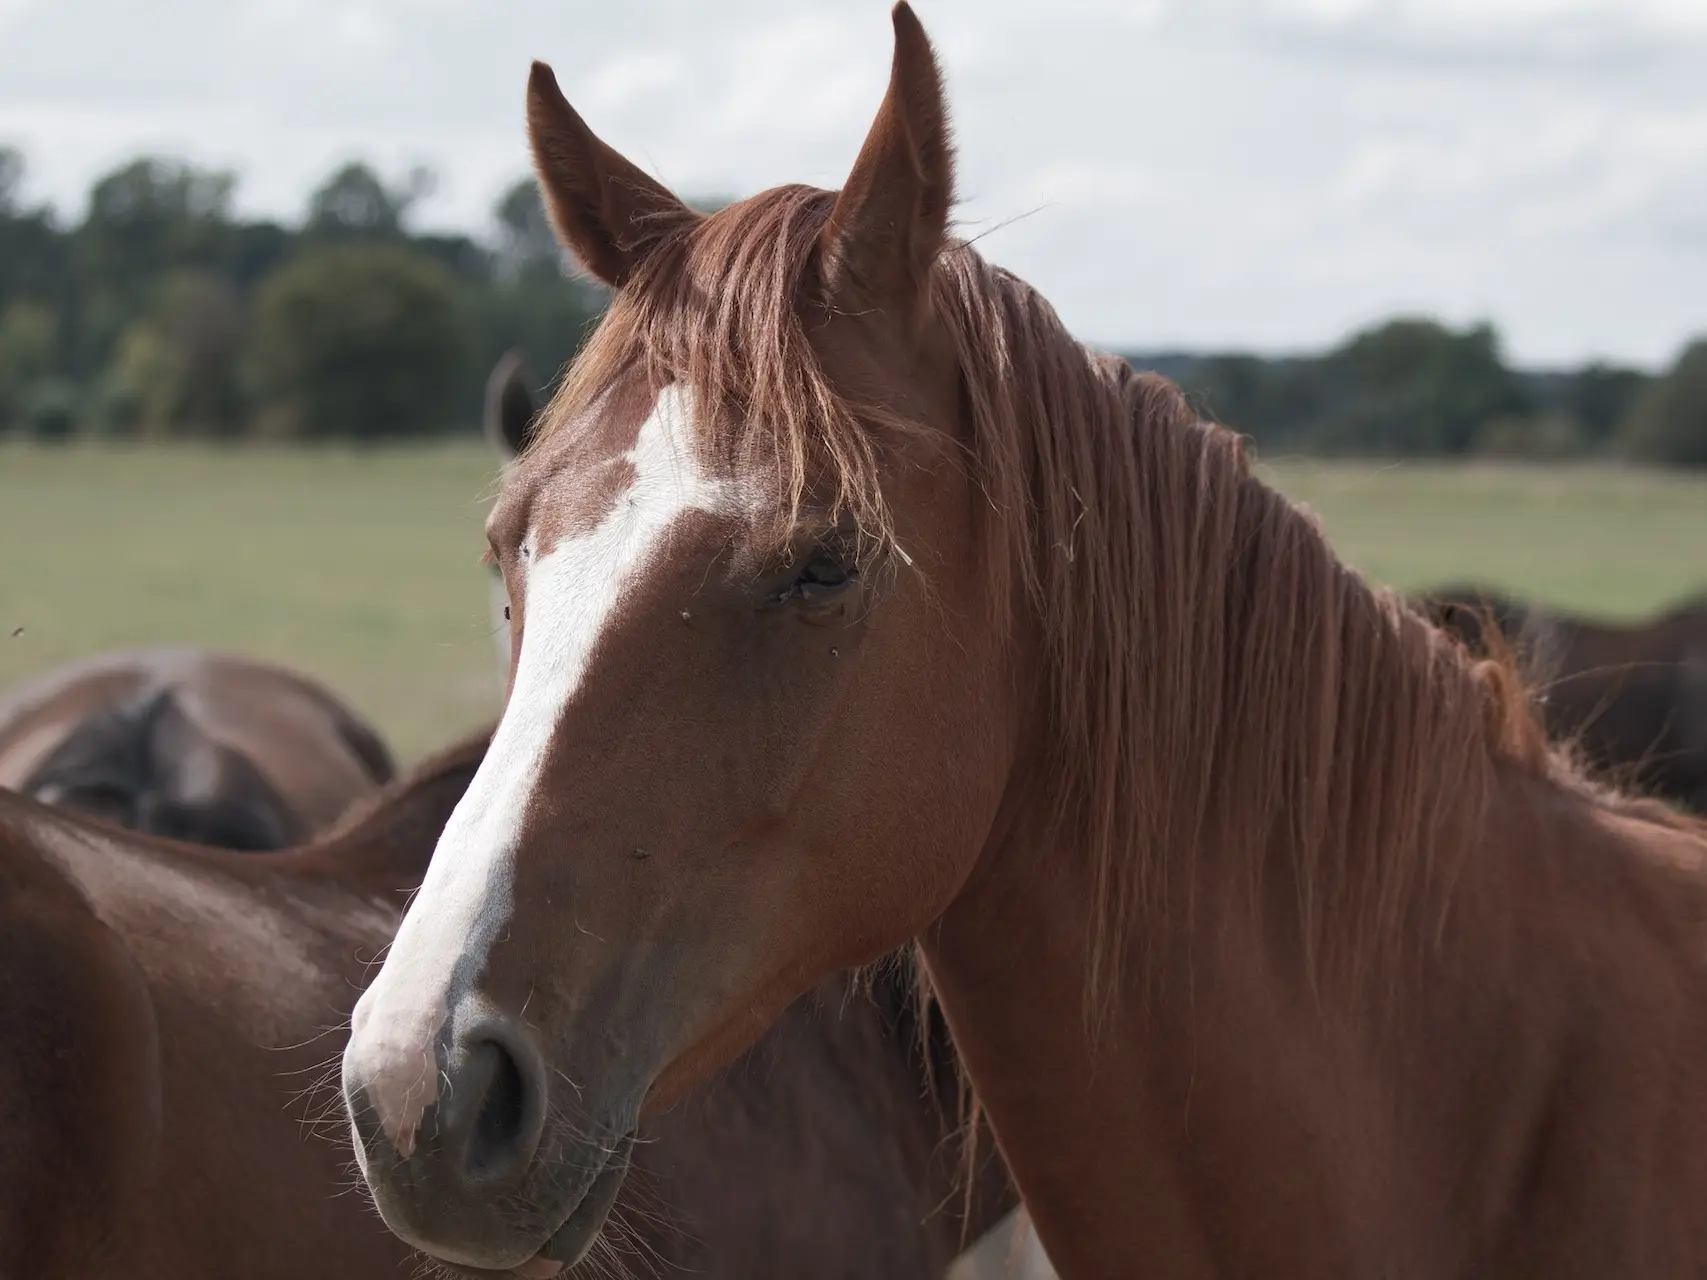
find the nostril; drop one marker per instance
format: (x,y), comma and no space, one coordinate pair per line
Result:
(502,1139)
(500,1119)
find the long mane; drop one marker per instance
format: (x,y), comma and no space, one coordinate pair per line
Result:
(1224,690)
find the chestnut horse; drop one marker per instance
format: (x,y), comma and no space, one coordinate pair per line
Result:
(1632,699)
(511,416)
(205,747)
(169,1009)
(168,1012)
(853,601)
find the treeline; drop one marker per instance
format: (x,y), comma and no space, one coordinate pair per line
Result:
(162,313)
(1413,387)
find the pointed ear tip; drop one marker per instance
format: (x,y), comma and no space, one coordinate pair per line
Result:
(906,21)
(541,78)
(913,48)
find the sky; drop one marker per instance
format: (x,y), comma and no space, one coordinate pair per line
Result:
(1172,174)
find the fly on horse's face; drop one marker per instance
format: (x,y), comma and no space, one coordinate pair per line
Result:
(691,811)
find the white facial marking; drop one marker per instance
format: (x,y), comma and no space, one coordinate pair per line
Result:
(465,900)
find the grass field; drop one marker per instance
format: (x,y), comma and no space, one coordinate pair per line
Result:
(362,568)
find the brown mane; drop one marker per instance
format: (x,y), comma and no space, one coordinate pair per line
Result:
(1167,716)
(715,307)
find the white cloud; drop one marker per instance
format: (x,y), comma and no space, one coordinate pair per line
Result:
(1170,172)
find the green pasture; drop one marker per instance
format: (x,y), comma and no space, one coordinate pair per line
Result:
(362,567)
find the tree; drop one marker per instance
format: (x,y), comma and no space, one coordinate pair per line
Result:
(152,214)
(1413,386)
(1273,400)
(547,318)
(11,180)
(146,219)
(1231,389)
(357,201)
(359,340)
(1669,422)
(33,258)
(526,240)
(27,341)
(1601,396)
(175,371)
(536,304)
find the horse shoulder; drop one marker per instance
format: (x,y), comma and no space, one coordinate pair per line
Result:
(271,952)
(80,1098)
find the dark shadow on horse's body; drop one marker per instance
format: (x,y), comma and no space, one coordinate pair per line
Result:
(171,1012)
(205,747)
(1633,698)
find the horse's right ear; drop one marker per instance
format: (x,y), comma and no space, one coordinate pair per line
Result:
(890,220)
(607,211)
(511,410)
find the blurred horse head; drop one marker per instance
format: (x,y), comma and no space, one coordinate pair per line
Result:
(205,747)
(1630,699)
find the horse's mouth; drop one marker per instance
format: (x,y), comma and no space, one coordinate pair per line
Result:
(574,1238)
(572,1241)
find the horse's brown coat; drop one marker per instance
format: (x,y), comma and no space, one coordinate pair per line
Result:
(1274,938)
(169,1013)
(236,972)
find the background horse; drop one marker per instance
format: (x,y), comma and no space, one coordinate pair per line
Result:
(1632,698)
(169,1010)
(854,601)
(198,746)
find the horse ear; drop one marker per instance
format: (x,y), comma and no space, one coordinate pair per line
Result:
(607,212)
(511,410)
(891,219)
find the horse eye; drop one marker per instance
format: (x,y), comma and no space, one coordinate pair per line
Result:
(506,613)
(824,576)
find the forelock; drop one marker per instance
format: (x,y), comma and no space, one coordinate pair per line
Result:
(723,308)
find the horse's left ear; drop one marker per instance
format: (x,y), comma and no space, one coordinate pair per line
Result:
(891,219)
(608,211)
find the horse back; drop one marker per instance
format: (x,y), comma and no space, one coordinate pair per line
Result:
(277,741)
(169,1031)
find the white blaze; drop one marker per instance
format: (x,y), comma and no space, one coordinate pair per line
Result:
(571,594)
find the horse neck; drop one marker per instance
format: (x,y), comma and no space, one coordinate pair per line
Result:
(1299,765)
(1247,1106)
(1009,968)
